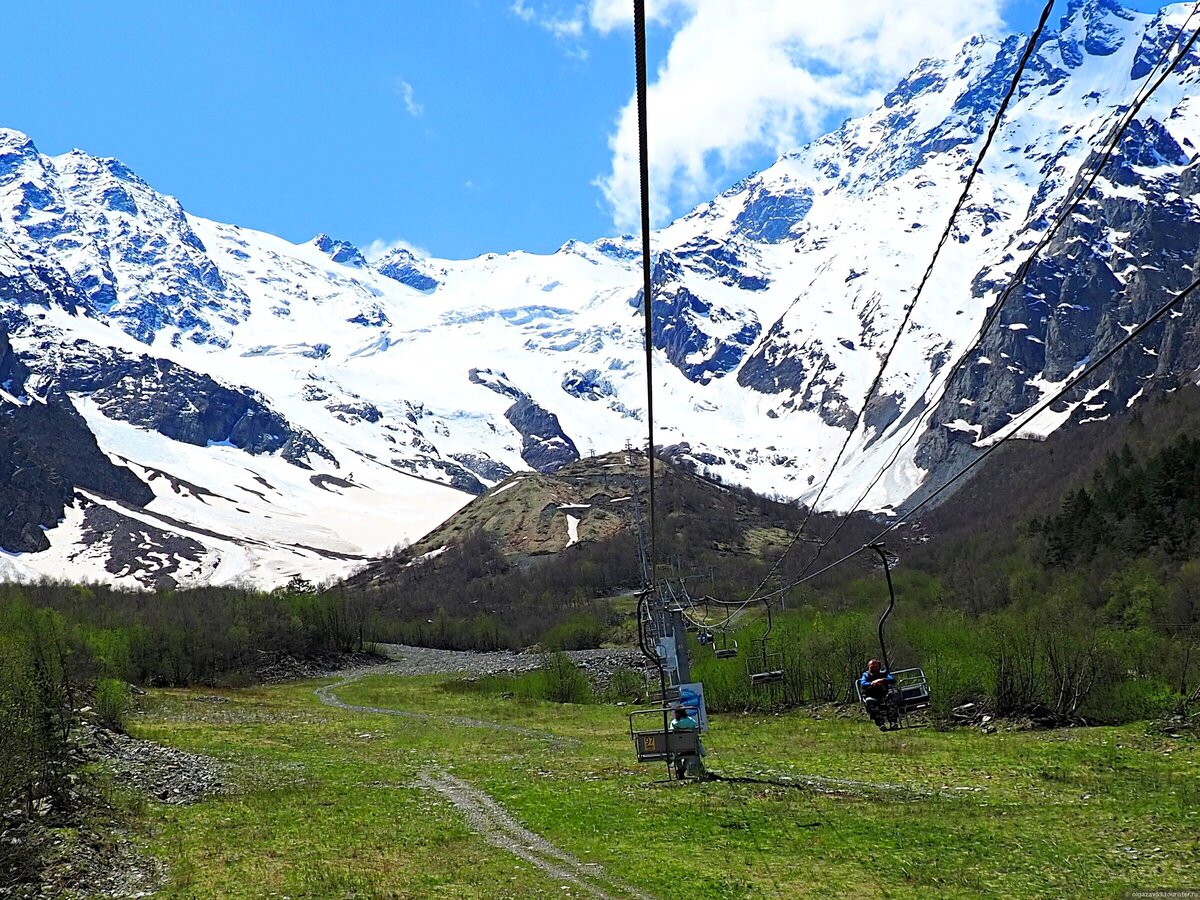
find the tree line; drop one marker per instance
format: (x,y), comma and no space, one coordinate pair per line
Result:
(1091,610)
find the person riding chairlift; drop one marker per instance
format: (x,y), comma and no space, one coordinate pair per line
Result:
(876,685)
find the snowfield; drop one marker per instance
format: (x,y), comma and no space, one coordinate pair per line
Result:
(773,306)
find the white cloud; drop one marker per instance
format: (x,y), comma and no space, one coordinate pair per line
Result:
(566,23)
(617,15)
(410,101)
(745,76)
(565,29)
(380,248)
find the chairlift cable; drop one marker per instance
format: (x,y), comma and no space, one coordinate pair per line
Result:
(1119,128)
(1016,428)
(639,52)
(639,49)
(946,232)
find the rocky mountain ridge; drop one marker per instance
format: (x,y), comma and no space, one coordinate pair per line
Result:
(296,409)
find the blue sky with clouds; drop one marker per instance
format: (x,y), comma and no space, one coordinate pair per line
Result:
(462,126)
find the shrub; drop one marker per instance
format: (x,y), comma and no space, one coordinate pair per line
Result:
(35,703)
(1132,698)
(564,682)
(582,631)
(625,685)
(113,701)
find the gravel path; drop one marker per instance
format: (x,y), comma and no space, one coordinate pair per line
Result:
(500,829)
(327,696)
(163,773)
(406,660)
(483,813)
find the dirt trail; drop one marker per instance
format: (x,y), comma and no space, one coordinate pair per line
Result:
(406,660)
(501,830)
(483,813)
(327,696)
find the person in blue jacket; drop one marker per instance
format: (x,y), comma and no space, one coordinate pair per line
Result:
(876,685)
(687,765)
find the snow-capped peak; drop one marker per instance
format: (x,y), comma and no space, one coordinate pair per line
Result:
(340,251)
(773,305)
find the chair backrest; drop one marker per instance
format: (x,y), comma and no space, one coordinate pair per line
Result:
(728,647)
(651,742)
(912,686)
(651,746)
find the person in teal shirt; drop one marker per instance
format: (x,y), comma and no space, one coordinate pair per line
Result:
(686,764)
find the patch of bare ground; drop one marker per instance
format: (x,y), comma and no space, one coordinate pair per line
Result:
(500,829)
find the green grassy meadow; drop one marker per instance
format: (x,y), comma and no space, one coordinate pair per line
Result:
(325,803)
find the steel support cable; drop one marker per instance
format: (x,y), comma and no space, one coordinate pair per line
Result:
(1070,205)
(1119,128)
(946,232)
(1071,385)
(639,52)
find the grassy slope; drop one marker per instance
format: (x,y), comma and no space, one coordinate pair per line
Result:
(1084,812)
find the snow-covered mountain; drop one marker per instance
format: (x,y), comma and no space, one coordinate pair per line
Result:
(298,408)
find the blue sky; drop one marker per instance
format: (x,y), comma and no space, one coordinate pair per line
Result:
(461,126)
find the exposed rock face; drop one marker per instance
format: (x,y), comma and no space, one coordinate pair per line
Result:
(153,554)
(460,476)
(181,404)
(12,371)
(46,451)
(340,251)
(732,263)
(803,370)
(702,339)
(587,385)
(545,447)
(143,267)
(35,496)
(483,465)
(25,282)
(1084,294)
(770,216)
(405,267)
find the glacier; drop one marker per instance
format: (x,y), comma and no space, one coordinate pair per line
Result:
(356,404)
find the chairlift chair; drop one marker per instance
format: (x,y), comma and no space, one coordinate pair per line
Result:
(909,695)
(654,742)
(728,648)
(766,666)
(653,739)
(910,692)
